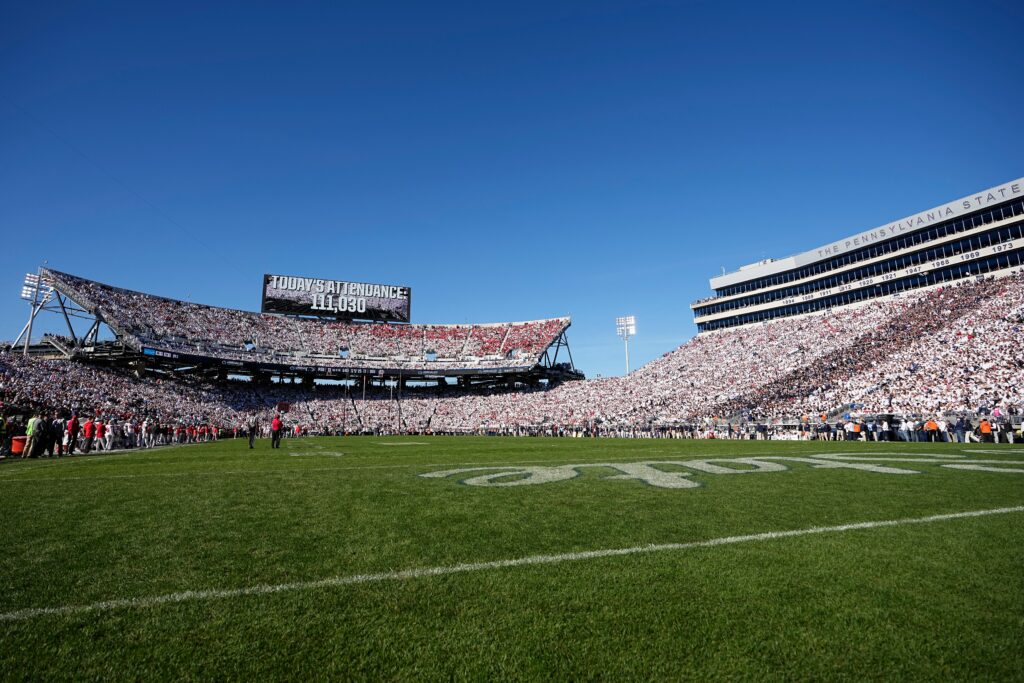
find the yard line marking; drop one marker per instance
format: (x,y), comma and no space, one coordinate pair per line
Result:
(63,461)
(423,572)
(215,473)
(993,450)
(866,455)
(986,466)
(83,458)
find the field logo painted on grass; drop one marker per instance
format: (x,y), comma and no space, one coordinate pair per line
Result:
(679,472)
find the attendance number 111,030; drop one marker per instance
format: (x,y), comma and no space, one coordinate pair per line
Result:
(339,304)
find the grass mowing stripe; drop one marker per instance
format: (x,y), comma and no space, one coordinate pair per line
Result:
(18,467)
(942,460)
(422,572)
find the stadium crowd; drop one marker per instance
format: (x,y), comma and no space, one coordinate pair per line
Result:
(908,367)
(185,327)
(951,349)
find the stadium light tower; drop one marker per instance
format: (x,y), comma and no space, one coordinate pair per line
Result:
(31,289)
(625,326)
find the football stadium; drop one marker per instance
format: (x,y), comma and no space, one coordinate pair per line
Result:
(322,488)
(623,340)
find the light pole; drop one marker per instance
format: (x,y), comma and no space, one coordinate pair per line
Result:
(31,285)
(30,291)
(625,326)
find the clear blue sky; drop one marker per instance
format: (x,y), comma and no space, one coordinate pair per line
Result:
(507,161)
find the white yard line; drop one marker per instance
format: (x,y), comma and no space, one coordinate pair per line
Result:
(994,450)
(83,458)
(274,470)
(868,455)
(424,572)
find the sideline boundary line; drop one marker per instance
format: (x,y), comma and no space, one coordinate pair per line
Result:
(80,458)
(424,572)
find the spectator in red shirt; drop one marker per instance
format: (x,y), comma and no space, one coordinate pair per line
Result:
(101,432)
(73,433)
(88,431)
(275,432)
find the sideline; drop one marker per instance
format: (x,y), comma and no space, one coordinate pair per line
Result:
(423,572)
(33,464)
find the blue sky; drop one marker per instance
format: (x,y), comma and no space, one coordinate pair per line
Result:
(507,161)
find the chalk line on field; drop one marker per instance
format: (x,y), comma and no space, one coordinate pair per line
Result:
(80,458)
(874,455)
(423,572)
(986,466)
(993,450)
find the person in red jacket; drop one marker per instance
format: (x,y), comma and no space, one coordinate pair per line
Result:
(88,431)
(101,433)
(275,432)
(73,433)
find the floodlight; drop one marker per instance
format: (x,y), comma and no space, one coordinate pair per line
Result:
(625,327)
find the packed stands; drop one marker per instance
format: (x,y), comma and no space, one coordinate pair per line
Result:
(144,320)
(955,348)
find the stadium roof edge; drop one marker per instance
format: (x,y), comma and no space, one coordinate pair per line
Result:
(566,318)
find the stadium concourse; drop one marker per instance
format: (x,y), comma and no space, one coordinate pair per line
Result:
(934,352)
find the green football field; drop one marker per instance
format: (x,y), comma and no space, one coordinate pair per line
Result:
(516,559)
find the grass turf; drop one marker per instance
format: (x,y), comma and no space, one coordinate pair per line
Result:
(940,600)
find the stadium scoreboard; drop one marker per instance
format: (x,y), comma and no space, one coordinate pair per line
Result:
(339,299)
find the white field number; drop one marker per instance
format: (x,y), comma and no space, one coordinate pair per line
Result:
(676,474)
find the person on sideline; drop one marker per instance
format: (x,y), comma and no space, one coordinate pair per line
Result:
(275,432)
(253,425)
(30,436)
(88,429)
(986,430)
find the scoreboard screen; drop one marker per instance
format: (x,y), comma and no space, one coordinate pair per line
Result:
(339,299)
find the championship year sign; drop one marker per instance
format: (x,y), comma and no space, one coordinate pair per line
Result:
(335,298)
